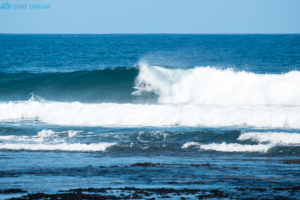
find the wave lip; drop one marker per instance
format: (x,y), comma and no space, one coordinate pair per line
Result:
(272,137)
(211,86)
(60,147)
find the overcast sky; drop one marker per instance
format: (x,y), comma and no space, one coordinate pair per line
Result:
(152,16)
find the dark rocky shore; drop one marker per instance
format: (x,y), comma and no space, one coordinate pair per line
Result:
(198,191)
(158,193)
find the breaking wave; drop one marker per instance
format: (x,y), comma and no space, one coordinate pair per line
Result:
(211,86)
(199,85)
(270,139)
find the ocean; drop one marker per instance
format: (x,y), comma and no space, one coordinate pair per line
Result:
(219,114)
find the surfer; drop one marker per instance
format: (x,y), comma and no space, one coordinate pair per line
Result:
(142,85)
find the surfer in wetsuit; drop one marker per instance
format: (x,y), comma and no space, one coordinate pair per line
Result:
(143,85)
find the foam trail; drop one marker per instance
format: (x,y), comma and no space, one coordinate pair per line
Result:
(46,133)
(61,147)
(189,144)
(272,137)
(50,133)
(211,86)
(13,137)
(109,114)
(234,147)
(40,136)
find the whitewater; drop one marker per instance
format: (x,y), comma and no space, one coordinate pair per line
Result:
(213,86)
(107,114)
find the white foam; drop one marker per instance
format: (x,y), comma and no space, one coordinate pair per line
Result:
(62,147)
(234,147)
(50,133)
(46,133)
(189,144)
(272,137)
(36,98)
(110,114)
(156,134)
(40,136)
(21,138)
(73,133)
(211,86)
(12,137)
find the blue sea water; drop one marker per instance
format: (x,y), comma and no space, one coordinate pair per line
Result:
(68,106)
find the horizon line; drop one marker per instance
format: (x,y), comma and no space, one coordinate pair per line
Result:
(149,33)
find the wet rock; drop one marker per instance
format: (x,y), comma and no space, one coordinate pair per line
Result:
(146,164)
(252,189)
(102,190)
(114,166)
(295,188)
(74,195)
(292,162)
(241,189)
(13,190)
(258,189)
(214,194)
(197,182)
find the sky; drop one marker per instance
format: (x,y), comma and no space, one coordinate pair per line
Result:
(149,16)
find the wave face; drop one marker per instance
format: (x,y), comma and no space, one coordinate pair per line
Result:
(211,86)
(107,85)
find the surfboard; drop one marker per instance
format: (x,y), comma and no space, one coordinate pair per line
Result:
(138,88)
